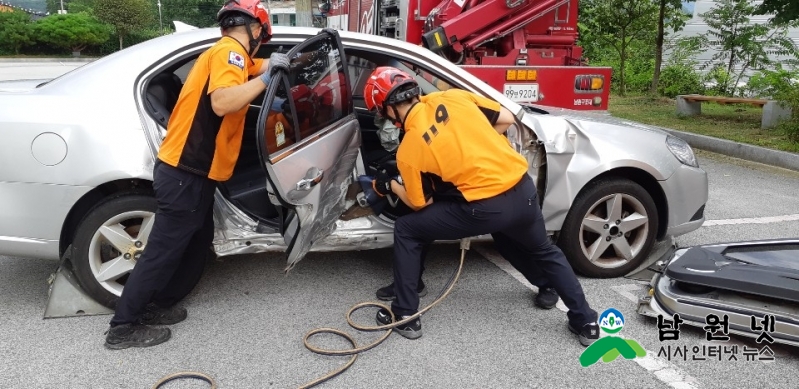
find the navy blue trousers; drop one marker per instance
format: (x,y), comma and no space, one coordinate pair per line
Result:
(174,257)
(515,222)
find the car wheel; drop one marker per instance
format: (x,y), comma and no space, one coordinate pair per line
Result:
(610,228)
(108,242)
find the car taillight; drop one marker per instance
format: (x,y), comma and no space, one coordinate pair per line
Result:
(589,83)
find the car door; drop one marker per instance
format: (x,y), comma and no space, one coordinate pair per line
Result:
(309,140)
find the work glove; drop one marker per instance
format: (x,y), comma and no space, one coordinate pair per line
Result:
(389,168)
(382,183)
(277,61)
(330,31)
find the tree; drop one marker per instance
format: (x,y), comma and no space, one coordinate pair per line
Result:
(124,15)
(74,31)
(741,45)
(670,15)
(785,11)
(619,23)
(198,13)
(15,30)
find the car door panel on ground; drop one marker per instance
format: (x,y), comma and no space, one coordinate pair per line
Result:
(309,140)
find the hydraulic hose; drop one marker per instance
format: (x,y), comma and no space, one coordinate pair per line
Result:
(355,350)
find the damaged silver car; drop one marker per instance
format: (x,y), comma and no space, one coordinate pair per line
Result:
(78,154)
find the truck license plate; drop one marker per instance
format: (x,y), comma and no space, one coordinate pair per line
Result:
(522,93)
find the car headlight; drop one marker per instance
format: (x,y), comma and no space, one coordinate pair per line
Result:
(681,150)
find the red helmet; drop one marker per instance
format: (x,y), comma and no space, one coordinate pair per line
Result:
(252,8)
(387,86)
(328,89)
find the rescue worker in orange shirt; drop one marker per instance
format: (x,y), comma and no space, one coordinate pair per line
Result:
(200,149)
(462,178)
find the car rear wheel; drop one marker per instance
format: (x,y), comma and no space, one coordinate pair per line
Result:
(108,242)
(610,228)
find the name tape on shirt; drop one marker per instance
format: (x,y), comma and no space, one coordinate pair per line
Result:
(236,59)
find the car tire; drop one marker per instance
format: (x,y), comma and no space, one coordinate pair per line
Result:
(112,224)
(592,242)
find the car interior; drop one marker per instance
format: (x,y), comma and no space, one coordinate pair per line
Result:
(247,187)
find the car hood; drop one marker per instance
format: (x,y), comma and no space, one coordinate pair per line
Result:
(592,121)
(561,130)
(17,86)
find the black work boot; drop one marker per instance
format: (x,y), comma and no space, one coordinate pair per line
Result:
(155,315)
(587,334)
(386,293)
(135,335)
(410,330)
(546,298)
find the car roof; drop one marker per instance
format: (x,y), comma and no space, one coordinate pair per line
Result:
(148,52)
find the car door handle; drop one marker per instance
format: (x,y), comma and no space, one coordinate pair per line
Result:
(313,177)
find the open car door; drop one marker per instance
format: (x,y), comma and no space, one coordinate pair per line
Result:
(309,140)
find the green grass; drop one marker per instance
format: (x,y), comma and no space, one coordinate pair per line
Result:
(740,123)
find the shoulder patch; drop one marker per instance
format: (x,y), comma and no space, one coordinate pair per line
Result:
(236,59)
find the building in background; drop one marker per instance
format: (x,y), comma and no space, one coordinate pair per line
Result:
(6,6)
(695,26)
(284,13)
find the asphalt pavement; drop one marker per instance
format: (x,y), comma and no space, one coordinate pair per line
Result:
(247,319)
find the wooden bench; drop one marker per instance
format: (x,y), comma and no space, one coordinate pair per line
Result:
(773,111)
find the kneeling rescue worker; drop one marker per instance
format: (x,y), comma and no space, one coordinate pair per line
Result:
(459,173)
(200,149)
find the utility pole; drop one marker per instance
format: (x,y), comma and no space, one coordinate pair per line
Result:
(160,21)
(61,11)
(304,11)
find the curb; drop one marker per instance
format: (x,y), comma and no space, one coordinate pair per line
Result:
(753,153)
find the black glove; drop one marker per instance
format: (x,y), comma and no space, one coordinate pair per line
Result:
(389,168)
(277,61)
(382,183)
(330,31)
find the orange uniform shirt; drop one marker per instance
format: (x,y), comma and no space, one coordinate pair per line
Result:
(451,148)
(197,140)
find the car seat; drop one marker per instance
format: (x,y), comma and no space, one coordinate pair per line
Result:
(162,95)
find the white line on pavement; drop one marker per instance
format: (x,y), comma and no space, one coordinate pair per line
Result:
(752,220)
(659,367)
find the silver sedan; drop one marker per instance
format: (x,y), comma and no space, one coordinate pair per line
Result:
(77,155)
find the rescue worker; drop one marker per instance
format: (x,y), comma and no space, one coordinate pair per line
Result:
(200,149)
(389,136)
(462,177)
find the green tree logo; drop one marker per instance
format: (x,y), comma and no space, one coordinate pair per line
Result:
(609,348)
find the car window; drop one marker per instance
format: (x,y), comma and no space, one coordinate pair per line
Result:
(360,69)
(315,98)
(362,63)
(183,70)
(428,81)
(280,126)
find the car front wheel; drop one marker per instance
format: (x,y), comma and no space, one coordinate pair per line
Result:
(109,241)
(610,228)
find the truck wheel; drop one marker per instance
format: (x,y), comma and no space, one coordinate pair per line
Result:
(108,242)
(610,228)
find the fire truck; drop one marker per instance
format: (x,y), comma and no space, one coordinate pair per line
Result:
(524,48)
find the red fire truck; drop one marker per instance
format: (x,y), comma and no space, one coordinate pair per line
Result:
(525,48)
